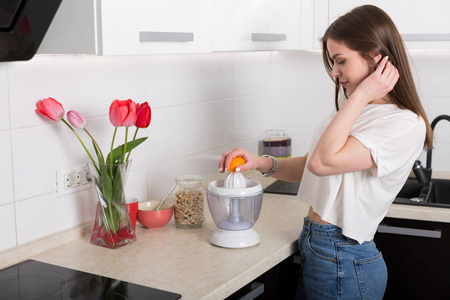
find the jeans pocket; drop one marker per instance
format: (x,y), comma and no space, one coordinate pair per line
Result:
(322,248)
(372,277)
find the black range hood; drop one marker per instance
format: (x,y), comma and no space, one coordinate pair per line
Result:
(23,24)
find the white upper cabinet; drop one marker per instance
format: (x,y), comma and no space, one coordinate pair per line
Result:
(143,26)
(319,22)
(422,24)
(256,25)
(114,27)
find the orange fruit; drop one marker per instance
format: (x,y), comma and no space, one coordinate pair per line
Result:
(237,161)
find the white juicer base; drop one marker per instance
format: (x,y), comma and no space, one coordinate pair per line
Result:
(235,239)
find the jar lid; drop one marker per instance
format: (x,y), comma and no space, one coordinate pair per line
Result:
(188,180)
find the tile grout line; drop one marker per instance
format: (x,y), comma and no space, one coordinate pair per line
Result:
(12,155)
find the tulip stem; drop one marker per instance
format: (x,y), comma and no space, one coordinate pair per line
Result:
(95,142)
(135,134)
(112,144)
(125,144)
(81,141)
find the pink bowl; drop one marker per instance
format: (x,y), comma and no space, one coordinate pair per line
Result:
(150,218)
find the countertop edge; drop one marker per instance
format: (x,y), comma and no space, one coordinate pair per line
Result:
(419,213)
(251,274)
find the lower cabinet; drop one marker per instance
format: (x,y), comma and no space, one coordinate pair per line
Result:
(280,282)
(417,255)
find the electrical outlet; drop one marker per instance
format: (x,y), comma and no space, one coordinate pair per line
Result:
(72,180)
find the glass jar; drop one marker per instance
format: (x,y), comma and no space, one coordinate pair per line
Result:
(188,209)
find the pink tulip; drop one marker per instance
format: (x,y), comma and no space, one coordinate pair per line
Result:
(50,108)
(76,119)
(144,115)
(123,113)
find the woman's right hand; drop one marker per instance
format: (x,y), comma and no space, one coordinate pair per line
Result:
(378,84)
(252,161)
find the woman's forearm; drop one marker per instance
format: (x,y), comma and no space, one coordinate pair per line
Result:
(291,169)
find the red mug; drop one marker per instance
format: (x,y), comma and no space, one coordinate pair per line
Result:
(132,205)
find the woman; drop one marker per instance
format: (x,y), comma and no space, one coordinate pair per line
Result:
(360,157)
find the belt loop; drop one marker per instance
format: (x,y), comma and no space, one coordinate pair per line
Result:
(307,222)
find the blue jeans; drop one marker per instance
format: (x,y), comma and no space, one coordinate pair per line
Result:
(337,267)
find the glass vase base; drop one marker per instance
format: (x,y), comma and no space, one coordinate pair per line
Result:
(112,226)
(122,237)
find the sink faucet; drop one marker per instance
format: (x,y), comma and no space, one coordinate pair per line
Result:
(433,124)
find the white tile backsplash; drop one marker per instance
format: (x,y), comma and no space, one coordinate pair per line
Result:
(136,184)
(252,73)
(4,102)
(46,214)
(251,116)
(300,113)
(202,105)
(8,226)
(429,68)
(87,84)
(6,178)
(305,73)
(202,77)
(179,131)
(37,153)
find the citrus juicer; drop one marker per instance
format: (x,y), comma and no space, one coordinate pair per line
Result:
(235,203)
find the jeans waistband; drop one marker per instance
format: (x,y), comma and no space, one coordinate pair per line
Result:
(327,230)
(322,229)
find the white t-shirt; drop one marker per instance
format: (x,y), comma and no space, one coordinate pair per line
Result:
(357,202)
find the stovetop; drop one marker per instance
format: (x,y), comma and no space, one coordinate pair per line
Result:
(33,280)
(283,187)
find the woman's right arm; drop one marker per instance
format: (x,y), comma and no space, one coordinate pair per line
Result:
(290,169)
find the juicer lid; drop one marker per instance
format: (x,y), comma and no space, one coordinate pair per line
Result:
(216,187)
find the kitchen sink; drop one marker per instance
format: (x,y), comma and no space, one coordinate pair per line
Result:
(436,193)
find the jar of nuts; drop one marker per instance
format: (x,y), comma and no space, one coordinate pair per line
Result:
(188,209)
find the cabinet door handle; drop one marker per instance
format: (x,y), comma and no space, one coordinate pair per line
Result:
(155,36)
(257,289)
(436,234)
(426,37)
(268,37)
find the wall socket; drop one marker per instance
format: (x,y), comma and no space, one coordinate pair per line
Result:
(72,180)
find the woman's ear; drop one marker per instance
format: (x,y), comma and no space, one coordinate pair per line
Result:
(376,57)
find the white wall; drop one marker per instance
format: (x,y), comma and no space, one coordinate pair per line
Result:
(202,105)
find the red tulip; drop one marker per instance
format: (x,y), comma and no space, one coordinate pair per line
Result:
(144,115)
(24,25)
(123,113)
(76,119)
(50,108)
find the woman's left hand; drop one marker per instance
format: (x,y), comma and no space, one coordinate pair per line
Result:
(378,84)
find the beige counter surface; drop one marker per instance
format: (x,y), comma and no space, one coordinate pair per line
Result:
(183,260)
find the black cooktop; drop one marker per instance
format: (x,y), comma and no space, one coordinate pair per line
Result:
(283,187)
(33,280)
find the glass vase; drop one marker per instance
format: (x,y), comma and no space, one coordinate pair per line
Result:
(112,226)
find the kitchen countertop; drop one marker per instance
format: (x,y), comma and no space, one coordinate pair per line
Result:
(183,260)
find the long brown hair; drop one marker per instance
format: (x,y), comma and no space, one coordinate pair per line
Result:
(368,29)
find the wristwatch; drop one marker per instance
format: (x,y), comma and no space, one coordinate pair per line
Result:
(274,166)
